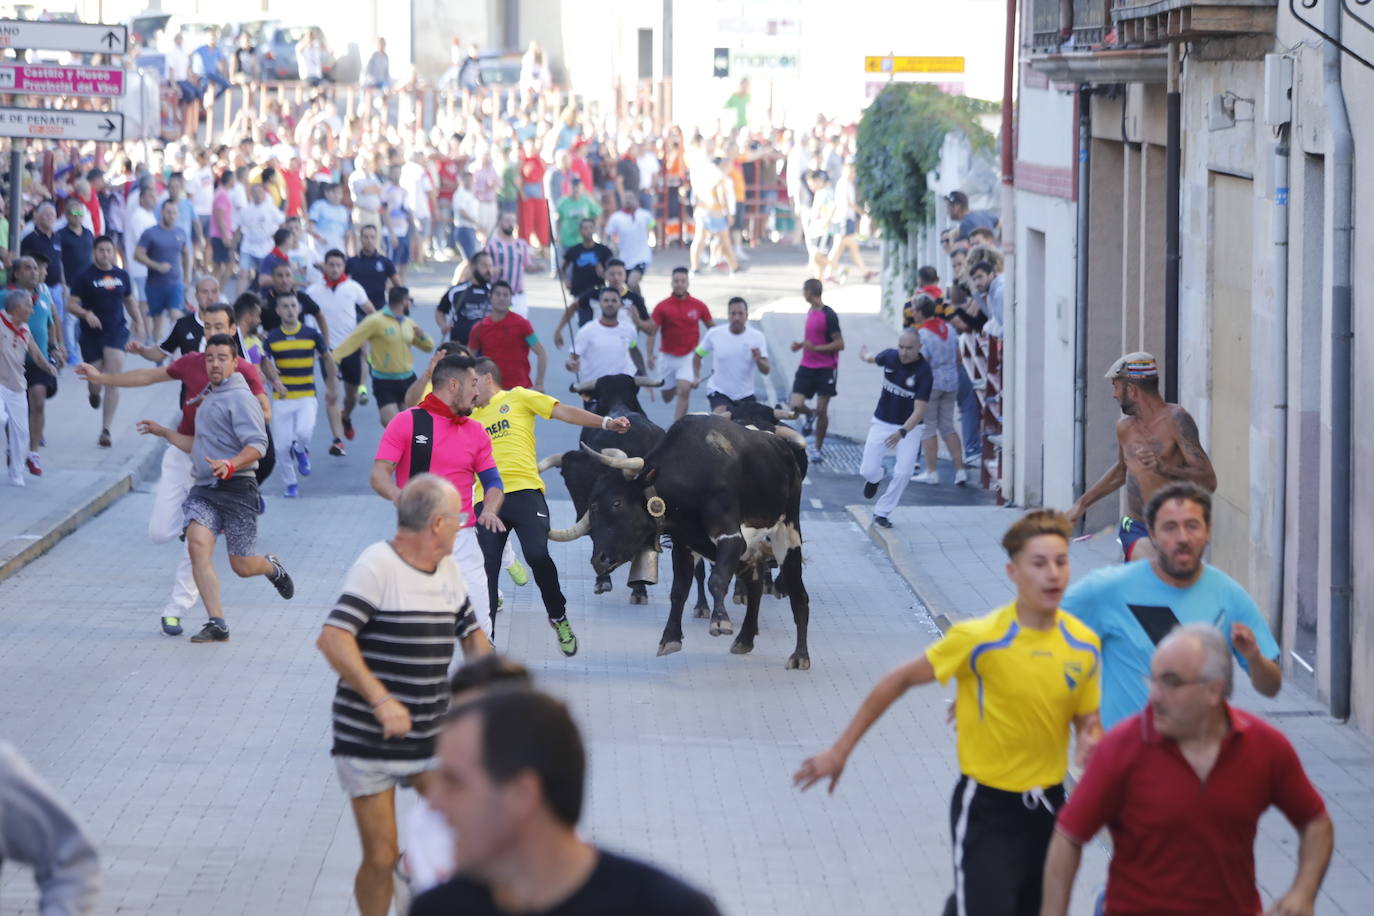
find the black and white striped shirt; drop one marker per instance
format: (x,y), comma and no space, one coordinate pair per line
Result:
(406,622)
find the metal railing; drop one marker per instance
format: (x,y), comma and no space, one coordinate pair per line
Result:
(1089,26)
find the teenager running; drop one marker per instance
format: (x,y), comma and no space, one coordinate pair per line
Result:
(391,333)
(292,349)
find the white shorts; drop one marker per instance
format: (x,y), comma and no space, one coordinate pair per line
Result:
(679,367)
(362,776)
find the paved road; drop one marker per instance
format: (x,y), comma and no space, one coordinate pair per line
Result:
(203,771)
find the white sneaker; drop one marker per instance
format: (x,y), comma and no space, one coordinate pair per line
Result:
(973,461)
(929,477)
(960,477)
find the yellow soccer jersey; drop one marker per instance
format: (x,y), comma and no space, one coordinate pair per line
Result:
(1019,692)
(509,420)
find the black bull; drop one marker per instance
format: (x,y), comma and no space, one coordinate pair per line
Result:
(730,494)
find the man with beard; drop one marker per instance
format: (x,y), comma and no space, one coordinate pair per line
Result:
(392,333)
(1157,444)
(1134,606)
(466,303)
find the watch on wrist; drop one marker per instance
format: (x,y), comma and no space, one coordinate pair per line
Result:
(902,431)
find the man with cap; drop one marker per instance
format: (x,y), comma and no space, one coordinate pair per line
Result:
(1157,445)
(956,206)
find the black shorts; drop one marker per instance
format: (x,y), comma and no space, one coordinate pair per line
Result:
(718,400)
(94,342)
(391,390)
(1000,841)
(35,377)
(351,369)
(812,382)
(220,253)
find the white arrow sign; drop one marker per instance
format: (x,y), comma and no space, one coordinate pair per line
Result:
(82,37)
(52,124)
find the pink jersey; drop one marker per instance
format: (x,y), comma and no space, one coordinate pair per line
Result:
(461,450)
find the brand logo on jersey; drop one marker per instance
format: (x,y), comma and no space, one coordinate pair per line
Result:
(505,408)
(500,426)
(421,439)
(108,282)
(1073,673)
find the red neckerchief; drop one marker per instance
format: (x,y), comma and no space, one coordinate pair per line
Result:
(933,292)
(937,326)
(335,284)
(19,332)
(433,404)
(280,254)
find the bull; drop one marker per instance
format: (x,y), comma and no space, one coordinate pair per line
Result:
(718,489)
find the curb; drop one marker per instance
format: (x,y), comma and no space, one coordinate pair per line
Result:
(864,517)
(48,531)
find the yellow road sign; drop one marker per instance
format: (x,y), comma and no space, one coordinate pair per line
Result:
(913,65)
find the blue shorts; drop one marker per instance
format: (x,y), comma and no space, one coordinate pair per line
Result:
(1130,531)
(165,297)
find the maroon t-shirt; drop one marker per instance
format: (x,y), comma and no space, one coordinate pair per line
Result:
(508,343)
(1179,844)
(190,371)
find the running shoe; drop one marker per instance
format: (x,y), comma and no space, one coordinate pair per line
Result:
(291,492)
(960,477)
(809,424)
(362,396)
(814,454)
(881,521)
(927,477)
(93,398)
(35,466)
(973,461)
(302,460)
(215,630)
(280,578)
(518,573)
(104,440)
(171,625)
(337,449)
(870,490)
(567,642)
(349,432)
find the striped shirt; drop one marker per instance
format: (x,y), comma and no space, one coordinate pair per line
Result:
(293,354)
(406,623)
(510,260)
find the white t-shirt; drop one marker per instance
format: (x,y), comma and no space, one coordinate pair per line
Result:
(200,185)
(602,350)
(258,222)
(630,231)
(648,170)
(417,184)
(464,201)
(339,306)
(137,222)
(732,370)
(366,190)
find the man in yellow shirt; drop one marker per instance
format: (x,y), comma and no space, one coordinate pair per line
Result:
(1025,673)
(392,334)
(509,415)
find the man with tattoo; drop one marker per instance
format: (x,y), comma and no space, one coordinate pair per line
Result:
(1157,444)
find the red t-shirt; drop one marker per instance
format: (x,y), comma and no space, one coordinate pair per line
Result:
(295,192)
(190,371)
(448,177)
(678,318)
(1180,845)
(461,450)
(508,342)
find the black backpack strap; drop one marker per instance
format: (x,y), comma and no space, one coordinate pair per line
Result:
(421,441)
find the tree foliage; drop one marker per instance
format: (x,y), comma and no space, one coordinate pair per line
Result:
(900,136)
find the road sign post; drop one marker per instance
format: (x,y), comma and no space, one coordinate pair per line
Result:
(61,124)
(79,37)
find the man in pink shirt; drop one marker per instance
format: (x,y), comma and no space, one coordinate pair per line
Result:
(437,436)
(820,361)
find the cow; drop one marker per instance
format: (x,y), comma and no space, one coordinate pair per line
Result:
(728,493)
(615,394)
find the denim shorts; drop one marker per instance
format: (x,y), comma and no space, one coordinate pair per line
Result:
(361,776)
(165,297)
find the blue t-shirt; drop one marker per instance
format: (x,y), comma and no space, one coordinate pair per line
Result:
(330,219)
(903,385)
(103,292)
(371,272)
(1131,609)
(163,245)
(39,321)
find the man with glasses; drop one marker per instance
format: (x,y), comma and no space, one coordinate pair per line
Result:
(1135,605)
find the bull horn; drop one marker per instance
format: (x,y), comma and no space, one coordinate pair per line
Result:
(784,413)
(791,435)
(584,525)
(582,388)
(619,462)
(643,381)
(553,461)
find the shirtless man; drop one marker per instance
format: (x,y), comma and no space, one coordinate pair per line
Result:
(1157,443)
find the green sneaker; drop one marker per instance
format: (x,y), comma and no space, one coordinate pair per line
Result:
(362,394)
(518,573)
(567,642)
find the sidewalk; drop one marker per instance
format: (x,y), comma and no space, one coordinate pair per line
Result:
(951,558)
(80,479)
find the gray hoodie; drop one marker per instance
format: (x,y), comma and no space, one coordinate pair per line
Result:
(229,420)
(39,830)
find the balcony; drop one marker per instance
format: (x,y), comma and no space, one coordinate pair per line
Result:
(1145,22)
(1088,27)
(1092,54)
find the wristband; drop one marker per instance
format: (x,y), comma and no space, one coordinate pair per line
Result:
(386,699)
(231,470)
(902,431)
(605,421)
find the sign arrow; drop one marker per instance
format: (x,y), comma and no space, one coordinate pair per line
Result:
(110,40)
(108,127)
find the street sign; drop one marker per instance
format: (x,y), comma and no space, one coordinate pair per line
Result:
(52,124)
(35,79)
(913,65)
(82,37)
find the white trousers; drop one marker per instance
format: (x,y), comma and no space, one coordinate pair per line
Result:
(908,450)
(293,423)
(14,415)
(166,524)
(469,558)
